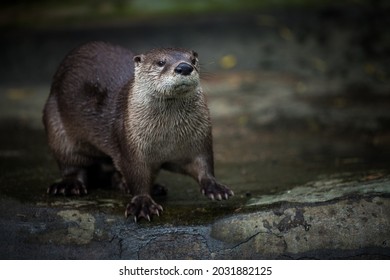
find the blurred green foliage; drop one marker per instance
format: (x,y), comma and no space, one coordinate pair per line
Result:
(65,12)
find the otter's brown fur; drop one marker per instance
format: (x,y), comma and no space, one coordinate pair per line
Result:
(139,113)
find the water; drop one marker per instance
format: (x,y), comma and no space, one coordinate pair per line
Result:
(253,160)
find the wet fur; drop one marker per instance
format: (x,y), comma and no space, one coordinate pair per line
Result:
(108,106)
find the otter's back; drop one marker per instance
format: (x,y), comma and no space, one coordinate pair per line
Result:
(85,91)
(94,66)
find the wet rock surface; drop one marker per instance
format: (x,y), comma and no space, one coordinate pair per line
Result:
(333,229)
(301,134)
(353,225)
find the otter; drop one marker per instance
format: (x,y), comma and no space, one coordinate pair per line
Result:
(137,113)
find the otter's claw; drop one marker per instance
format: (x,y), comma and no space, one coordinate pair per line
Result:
(143,206)
(68,187)
(215,191)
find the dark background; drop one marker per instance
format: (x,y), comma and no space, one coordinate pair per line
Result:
(299,93)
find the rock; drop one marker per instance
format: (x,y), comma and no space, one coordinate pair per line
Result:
(336,220)
(176,246)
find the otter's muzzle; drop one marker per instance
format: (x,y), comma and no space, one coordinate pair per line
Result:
(184,69)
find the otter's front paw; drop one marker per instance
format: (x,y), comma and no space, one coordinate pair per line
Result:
(143,206)
(68,187)
(214,190)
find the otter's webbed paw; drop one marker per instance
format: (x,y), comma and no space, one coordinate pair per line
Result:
(143,206)
(68,187)
(214,190)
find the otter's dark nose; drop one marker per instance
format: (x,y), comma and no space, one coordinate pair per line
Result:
(184,69)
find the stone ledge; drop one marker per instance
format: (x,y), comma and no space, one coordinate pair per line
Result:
(343,228)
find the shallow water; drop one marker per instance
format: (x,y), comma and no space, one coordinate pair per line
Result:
(254,162)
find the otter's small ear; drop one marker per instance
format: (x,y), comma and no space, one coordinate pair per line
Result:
(138,59)
(195,54)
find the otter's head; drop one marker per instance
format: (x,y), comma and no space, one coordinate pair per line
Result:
(167,73)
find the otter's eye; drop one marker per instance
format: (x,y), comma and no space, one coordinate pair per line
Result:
(194,61)
(161,63)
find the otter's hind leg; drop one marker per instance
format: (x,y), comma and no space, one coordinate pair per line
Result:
(73,165)
(75,169)
(73,182)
